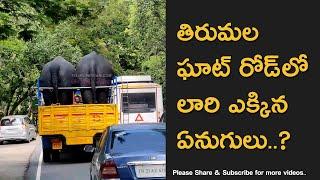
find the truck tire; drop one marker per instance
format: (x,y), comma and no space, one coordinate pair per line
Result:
(46,155)
(55,156)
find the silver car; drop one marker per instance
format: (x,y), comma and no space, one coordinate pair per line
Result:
(17,127)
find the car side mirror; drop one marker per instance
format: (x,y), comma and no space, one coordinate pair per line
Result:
(89,148)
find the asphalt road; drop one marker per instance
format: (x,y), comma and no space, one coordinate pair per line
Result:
(70,167)
(20,161)
(14,159)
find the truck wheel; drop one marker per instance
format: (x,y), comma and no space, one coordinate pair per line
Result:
(46,156)
(55,156)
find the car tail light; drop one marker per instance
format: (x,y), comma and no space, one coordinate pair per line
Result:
(109,170)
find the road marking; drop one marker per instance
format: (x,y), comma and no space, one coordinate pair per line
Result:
(39,166)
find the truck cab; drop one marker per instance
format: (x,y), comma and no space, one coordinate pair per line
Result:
(139,99)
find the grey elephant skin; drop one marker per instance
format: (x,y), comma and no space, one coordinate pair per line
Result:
(57,73)
(94,70)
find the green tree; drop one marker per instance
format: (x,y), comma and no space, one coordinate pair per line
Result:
(147,27)
(17,76)
(18,19)
(56,11)
(48,45)
(147,33)
(129,33)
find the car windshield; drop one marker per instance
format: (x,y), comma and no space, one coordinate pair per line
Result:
(138,102)
(140,140)
(11,122)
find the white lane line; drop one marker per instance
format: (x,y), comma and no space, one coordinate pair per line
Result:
(39,167)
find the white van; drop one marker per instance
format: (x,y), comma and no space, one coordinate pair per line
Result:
(17,127)
(139,99)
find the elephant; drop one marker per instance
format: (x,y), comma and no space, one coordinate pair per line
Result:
(94,70)
(57,73)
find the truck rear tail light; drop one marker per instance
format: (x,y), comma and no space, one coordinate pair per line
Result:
(109,170)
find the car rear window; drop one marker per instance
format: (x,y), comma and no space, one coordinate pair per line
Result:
(135,141)
(11,122)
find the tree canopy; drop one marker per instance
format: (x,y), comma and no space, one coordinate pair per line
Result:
(129,33)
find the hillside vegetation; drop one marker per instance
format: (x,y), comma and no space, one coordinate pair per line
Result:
(129,33)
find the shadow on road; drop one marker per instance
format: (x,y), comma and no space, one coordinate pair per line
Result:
(13,142)
(69,158)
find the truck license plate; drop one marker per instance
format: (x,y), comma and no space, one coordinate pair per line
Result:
(150,171)
(56,144)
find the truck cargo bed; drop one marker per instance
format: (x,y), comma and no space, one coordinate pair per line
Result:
(77,123)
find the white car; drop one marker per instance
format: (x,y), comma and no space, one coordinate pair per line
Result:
(17,127)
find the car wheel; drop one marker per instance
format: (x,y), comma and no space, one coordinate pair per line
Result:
(28,139)
(46,155)
(1,142)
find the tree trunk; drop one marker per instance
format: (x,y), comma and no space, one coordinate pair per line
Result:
(9,104)
(14,87)
(19,101)
(30,106)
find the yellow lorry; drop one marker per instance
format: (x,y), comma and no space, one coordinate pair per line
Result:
(134,99)
(70,127)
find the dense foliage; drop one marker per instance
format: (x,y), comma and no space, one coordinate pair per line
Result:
(129,33)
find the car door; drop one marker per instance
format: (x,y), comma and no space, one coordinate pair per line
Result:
(95,163)
(94,169)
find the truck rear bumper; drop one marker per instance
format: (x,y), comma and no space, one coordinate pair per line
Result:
(79,140)
(47,144)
